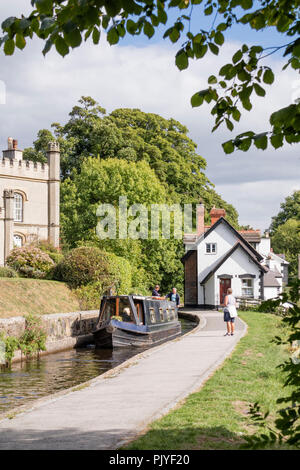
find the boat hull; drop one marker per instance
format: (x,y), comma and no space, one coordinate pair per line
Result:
(119,337)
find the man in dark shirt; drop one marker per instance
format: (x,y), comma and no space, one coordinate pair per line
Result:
(155,292)
(173,296)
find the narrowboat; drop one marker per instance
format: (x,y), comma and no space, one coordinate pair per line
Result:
(134,320)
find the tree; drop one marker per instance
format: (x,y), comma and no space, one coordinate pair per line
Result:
(134,136)
(287,240)
(66,23)
(104,181)
(290,209)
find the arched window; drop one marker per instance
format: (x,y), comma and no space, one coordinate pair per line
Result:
(18,240)
(18,208)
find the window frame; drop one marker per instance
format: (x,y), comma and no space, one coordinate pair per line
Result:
(209,249)
(18,197)
(247,287)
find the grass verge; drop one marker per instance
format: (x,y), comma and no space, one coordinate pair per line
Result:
(20,296)
(217,417)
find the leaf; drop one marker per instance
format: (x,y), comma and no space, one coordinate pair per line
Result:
(229,124)
(112,36)
(9,47)
(228,146)
(96,36)
(259,90)
(148,29)
(20,41)
(219,38)
(47,47)
(212,79)
(198,98)
(61,46)
(268,77)
(261,141)
(182,60)
(73,38)
(236,114)
(6,24)
(237,56)
(47,23)
(214,49)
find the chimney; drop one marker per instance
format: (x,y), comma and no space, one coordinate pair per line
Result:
(200,219)
(216,214)
(12,152)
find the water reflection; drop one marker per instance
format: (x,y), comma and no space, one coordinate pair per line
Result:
(25,382)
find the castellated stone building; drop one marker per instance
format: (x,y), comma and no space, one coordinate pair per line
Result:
(29,199)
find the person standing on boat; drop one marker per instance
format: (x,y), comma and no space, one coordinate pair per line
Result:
(173,296)
(230,312)
(155,292)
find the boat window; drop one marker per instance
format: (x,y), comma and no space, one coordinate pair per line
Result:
(125,311)
(109,309)
(152,315)
(139,310)
(161,313)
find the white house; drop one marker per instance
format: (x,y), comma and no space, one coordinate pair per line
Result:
(218,257)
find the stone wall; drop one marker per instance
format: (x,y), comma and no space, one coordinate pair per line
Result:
(64,330)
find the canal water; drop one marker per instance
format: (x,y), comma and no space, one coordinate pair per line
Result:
(34,379)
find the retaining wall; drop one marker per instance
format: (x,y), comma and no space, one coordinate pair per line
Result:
(64,330)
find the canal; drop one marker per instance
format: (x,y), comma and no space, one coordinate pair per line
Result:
(23,383)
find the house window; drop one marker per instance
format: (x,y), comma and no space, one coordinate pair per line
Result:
(247,288)
(211,248)
(18,241)
(18,208)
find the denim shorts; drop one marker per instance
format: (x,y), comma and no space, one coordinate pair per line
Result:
(227,316)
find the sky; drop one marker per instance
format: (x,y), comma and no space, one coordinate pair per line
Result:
(143,75)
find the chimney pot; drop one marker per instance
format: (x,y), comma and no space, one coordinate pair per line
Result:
(10,143)
(15,144)
(216,214)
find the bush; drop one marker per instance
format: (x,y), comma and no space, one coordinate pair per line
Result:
(7,272)
(84,265)
(51,250)
(30,261)
(89,296)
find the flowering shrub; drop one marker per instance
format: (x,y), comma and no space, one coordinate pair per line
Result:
(84,265)
(30,261)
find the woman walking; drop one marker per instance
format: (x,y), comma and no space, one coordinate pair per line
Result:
(230,312)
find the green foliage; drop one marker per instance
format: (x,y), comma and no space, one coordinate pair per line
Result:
(11,344)
(287,424)
(30,261)
(7,272)
(84,265)
(53,252)
(31,342)
(290,209)
(286,240)
(65,25)
(33,339)
(285,231)
(132,135)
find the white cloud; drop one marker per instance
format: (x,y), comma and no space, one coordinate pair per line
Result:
(41,91)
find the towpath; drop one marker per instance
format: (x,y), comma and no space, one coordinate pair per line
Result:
(117,406)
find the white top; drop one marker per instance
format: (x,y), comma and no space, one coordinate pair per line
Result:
(231,299)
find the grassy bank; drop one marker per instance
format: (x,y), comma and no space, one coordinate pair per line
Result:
(217,417)
(22,296)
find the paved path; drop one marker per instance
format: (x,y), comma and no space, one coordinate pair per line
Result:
(118,406)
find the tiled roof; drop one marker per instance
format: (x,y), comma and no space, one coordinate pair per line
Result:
(270,279)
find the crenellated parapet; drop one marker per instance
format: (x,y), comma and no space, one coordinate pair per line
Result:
(24,169)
